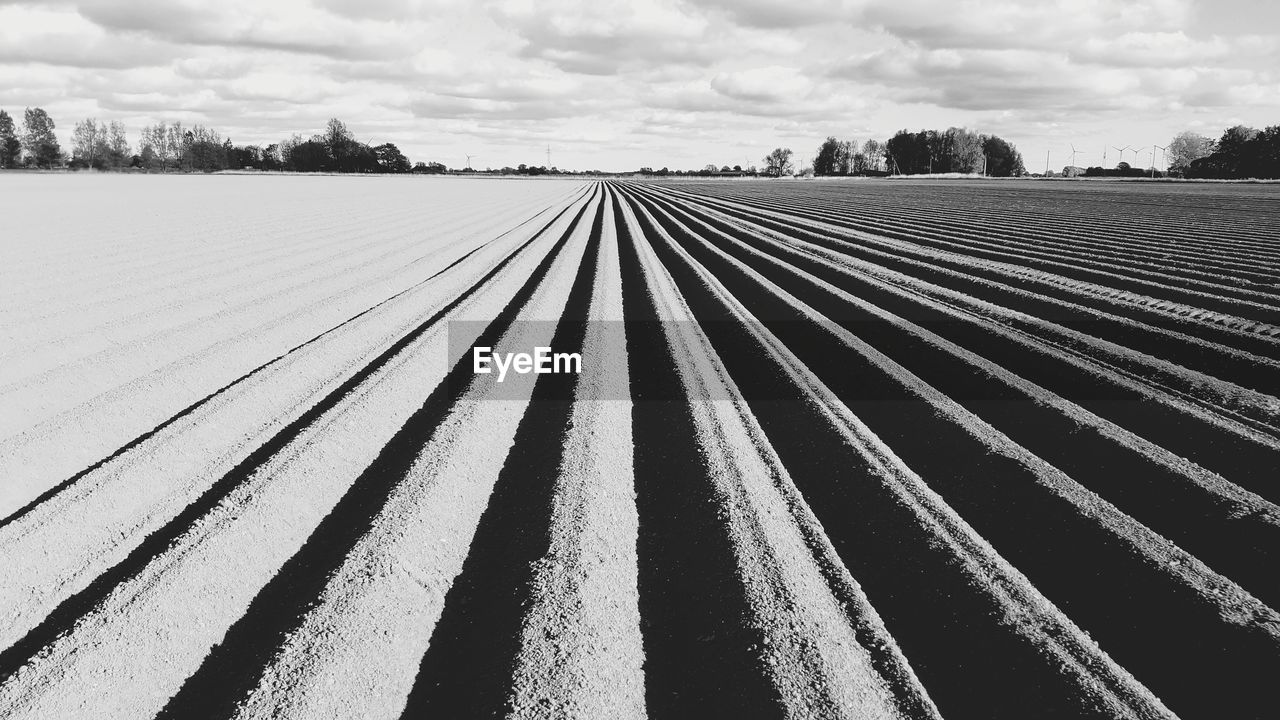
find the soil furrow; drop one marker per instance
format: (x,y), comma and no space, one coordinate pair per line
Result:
(232,668)
(68,612)
(1236,532)
(807,636)
(1106,571)
(969,653)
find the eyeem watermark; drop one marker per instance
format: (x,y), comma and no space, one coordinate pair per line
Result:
(541,362)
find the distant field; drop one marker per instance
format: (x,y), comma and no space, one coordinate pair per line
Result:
(839,449)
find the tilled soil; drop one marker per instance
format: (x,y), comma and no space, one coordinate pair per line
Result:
(899,449)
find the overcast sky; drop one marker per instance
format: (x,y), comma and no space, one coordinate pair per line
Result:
(680,83)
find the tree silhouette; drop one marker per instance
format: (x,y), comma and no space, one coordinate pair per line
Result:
(10,145)
(827,160)
(390,159)
(38,138)
(778,162)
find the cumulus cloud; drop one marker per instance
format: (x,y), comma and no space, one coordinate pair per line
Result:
(990,79)
(1044,24)
(288,25)
(607,37)
(60,36)
(773,15)
(774,84)
(614,77)
(1071,57)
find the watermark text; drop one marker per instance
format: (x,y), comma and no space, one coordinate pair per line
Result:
(541,361)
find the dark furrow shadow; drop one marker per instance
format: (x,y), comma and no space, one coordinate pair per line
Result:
(949,631)
(233,668)
(961,239)
(468,668)
(64,617)
(700,657)
(1246,370)
(1245,548)
(1169,636)
(184,412)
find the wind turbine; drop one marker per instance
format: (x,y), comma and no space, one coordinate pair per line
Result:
(1126,147)
(469,160)
(1073,155)
(1135,154)
(1162,148)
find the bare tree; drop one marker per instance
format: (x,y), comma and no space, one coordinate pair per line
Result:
(778,162)
(176,141)
(873,155)
(89,143)
(961,151)
(340,143)
(844,156)
(861,163)
(118,150)
(155,146)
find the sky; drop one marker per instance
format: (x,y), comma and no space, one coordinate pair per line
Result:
(616,85)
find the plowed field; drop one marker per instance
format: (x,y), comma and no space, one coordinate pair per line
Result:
(898,449)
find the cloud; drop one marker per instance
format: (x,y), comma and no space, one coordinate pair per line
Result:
(391,9)
(1002,24)
(434,107)
(213,67)
(984,79)
(607,37)
(773,15)
(1174,50)
(60,36)
(1133,72)
(645,81)
(773,84)
(287,25)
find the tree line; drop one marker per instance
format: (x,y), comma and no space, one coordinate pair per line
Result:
(173,147)
(1241,152)
(954,150)
(35,146)
(709,170)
